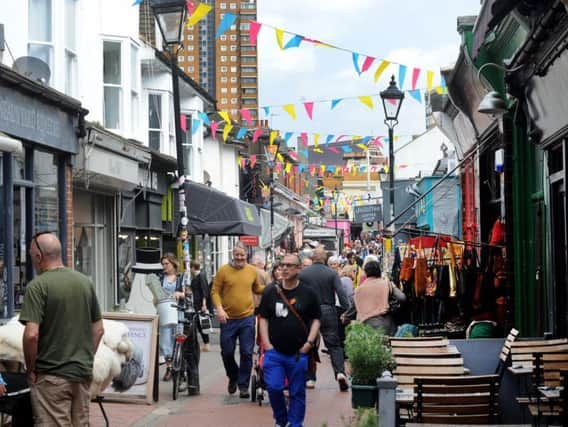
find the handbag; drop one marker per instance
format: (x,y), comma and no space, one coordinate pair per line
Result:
(420,273)
(406,270)
(313,355)
(394,303)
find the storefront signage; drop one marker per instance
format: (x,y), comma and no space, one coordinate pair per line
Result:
(367,213)
(28,118)
(249,240)
(114,166)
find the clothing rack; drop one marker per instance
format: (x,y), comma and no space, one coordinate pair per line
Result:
(420,232)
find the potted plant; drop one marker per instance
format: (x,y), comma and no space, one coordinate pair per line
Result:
(369,357)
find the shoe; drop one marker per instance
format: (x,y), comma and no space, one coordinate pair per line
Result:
(232,387)
(310,384)
(244,393)
(205,348)
(342,380)
(168,374)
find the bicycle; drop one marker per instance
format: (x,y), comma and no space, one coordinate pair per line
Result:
(186,353)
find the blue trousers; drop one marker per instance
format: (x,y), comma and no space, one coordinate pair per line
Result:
(277,367)
(243,329)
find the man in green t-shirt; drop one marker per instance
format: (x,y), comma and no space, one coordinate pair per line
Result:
(63,328)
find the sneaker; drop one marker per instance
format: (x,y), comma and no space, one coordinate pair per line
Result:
(244,393)
(342,380)
(310,384)
(232,387)
(206,348)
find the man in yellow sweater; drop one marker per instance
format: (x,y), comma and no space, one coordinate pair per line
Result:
(232,296)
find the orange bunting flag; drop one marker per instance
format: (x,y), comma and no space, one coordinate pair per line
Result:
(429,79)
(198,14)
(291,110)
(367,100)
(280,38)
(273,135)
(226,131)
(225,116)
(382,67)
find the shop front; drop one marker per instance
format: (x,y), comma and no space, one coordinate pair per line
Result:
(39,130)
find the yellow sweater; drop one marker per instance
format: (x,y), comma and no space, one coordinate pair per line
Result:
(233,289)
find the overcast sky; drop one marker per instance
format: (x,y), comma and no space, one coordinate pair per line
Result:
(417,33)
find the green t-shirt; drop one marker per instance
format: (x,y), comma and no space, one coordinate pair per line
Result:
(64,304)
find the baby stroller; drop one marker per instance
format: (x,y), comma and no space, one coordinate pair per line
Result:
(16,402)
(257,384)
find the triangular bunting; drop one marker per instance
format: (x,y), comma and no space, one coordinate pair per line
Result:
(367,100)
(195,124)
(309,106)
(225,24)
(252,160)
(334,102)
(272,137)
(225,116)
(291,110)
(355,57)
(328,139)
(304,138)
(367,64)
(183,122)
(280,37)
(287,137)
(415,75)
(294,41)
(401,75)
(380,69)
(257,133)
(214,126)
(204,118)
(266,111)
(254,29)
(362,147)
(226,130)
(242,132)
(429,80)
(316,139)
(416,94)
(198,14)
(245,114)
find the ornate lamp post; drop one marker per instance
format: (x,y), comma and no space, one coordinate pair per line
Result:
(392,98)
(335,194)
(271,151)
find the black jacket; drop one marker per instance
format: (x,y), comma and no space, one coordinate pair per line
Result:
(326,283)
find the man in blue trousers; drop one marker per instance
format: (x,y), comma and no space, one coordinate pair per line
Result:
(289,325)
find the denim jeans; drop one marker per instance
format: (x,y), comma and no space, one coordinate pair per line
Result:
(277,367)
(243,329)
(167,341)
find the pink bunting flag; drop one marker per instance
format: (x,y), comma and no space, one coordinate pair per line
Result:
(415,75)
(253,32)
(243,163)
(293,154)
(252,160)
(312,170)
(367,64)
(295,169)
(334,150)
(190,7)
(214,126)
(183,122)
(256,135)
(309,106)
(304,137)
(245,114)
(339,138)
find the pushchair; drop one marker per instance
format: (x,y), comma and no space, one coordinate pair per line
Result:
(16,402)
(257,384)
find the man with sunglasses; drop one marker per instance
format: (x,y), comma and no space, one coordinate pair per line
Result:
(289,326)
(63,328)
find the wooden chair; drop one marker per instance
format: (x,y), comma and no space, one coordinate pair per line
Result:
(457,400)
(408,368)
(419,342)
(505,355)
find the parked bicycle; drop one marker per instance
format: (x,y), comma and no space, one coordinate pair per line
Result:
(186,354)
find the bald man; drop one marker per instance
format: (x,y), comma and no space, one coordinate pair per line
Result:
(63,328)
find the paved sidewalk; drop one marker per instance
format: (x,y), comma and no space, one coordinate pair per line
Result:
(214,407)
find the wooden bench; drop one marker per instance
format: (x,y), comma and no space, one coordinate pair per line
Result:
(457,400)
(419,342)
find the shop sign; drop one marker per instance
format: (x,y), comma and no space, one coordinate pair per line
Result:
(367,213)
(249,240)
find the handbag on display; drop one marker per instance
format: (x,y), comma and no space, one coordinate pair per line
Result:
(420,273)
(406,270)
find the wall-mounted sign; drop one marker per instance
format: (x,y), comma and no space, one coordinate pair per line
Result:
(249,240)
(367,213)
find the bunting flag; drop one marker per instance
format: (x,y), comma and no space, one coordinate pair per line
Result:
(328,139)
(363,147)
(266,111)
(318,150)
(198,14)
(346,148)
(294,41)
(256,135)
(355,57)
(416,94)
(429,80)
(214,126)
(280,157)
(243,162)
(339,138)
(183,122)
(226,130)
(380,69)
(304,138)
(334,150)
(401,75)
(280,38)
(415,75)
(272,137)
(225,116)
(334,102)
(242,133)
(225,24)
(254,29)
(252,160)
(190,7)
(204,118)
(309,106)
(195,124)
(316,139)
(287,137)
(291,110)
(245,114)
(288,168)
(367,100)
(367,64)
(137,2)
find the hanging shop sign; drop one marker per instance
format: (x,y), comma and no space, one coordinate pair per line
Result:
(249,240)
(367,213)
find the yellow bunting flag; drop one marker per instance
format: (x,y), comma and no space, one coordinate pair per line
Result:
(316,139)
(367,100)
(280,38)
(318,150)
(291,110)
(280,157)
(355,138)
(337,170)
(362,147)
(273,135)
(226,131)
(198,14)
(382,67)
(429,79)
(288,167)
(225,116)
(322,169)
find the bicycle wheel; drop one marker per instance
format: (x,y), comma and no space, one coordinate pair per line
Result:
(177,364)
(192,355)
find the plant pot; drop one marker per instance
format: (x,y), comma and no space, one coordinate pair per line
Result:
(363,396)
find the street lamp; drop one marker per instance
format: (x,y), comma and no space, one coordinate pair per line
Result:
(335,194)
(170,16)
(271,151)
(392,98)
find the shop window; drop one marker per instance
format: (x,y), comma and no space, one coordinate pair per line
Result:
(70,47)
(112,80)
(46,200)
(134,90)
(154,120)
(40,30)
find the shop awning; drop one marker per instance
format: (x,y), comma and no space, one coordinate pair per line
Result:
(280,228)
(213,212)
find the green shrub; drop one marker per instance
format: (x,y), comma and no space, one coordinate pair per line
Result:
(367,353)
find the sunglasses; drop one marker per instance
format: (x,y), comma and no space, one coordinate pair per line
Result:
(288,265)
(35,237)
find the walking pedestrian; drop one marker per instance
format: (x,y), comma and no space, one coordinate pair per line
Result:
(63,328)
(326,283)
(200,291)
(289,326)
(232,295)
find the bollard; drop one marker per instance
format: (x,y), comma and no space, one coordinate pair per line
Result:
(386,386)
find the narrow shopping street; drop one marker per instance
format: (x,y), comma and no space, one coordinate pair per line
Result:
(325,404)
